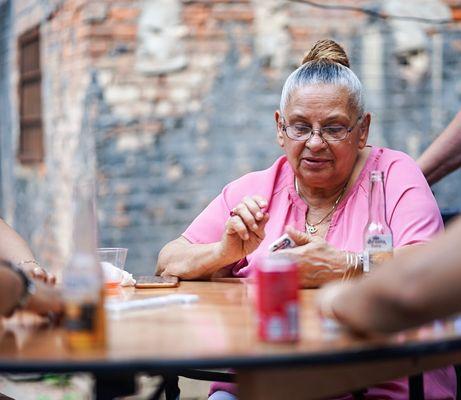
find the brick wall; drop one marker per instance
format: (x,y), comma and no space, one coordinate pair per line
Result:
(179,97)
(170,139)
(191,131)
(5,108)
(43,193)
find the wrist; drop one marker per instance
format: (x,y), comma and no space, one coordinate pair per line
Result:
(223,256)
(27,287)
(353,265)
(343,260)
(28,263)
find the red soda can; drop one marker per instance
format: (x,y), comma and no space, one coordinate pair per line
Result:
(277,300)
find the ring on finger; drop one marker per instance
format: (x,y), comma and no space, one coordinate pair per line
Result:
(38,271)
(233,212)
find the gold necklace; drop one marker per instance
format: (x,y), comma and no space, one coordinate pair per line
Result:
(312,228)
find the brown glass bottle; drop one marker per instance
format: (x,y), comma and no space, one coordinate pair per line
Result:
(83,284)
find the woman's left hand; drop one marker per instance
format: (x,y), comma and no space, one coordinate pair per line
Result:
(43,275)
(318,261)
(45,301)
(36,271)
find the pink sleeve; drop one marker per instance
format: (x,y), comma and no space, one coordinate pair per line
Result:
(208,226)
(414,215)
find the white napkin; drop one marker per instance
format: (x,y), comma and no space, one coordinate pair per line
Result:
(112,273)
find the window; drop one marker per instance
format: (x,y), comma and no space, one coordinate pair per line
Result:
(30,100)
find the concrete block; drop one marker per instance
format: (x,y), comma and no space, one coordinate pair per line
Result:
(122,94)
(94,12)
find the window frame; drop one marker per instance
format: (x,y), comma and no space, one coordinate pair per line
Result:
(31,147)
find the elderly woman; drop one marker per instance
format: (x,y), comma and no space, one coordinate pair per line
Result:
(319,188)
(320,185)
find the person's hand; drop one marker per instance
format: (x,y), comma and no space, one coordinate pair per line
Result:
(244,229)
(36,271)
(43,275)
(327,301)
(325,298)
(318,261)
(46,299)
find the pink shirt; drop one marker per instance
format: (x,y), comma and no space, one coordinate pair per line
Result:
(411,212)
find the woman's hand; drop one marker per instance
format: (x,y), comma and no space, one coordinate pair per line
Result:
(318,261)
(43,275)
(244,229)
(36,271)
(45,300)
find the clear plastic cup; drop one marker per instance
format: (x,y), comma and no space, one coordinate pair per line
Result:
(116,256)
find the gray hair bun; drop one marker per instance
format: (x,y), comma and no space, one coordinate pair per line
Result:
(329,51)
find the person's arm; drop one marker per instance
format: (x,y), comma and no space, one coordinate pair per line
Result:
(13,290)
(243,232)
(444,154)
(15,249)
(191,261)
(415,287)
(12,246)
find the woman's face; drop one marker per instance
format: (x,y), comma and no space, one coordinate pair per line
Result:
(316,162)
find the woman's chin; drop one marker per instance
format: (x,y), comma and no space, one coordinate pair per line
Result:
(318,174)
(316,180)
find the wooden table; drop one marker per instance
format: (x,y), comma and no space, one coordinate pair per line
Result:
(219,332)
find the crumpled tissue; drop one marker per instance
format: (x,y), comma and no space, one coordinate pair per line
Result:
(114,274)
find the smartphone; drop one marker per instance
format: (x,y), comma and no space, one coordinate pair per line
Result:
(151,281)
(283,242)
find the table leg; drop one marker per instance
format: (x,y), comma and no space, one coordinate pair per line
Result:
(110,385)
(416,387)
(172,387)
(458,381)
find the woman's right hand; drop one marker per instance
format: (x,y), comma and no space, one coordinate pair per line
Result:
(244,229)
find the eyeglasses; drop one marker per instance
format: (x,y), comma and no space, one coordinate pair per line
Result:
(331,133)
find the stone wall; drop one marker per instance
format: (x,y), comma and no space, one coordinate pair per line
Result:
(5,109)
(185,119)
(190,130)
(175,98)
(43,193)
(176,131)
